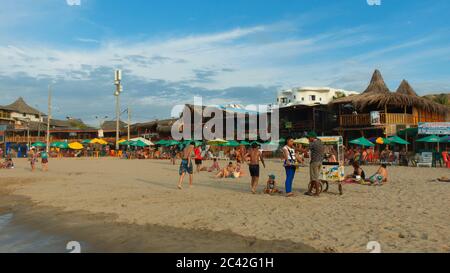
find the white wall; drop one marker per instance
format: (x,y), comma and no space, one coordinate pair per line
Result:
(26,117)
(308,96)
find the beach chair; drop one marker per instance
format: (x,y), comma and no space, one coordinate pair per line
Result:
(426,159)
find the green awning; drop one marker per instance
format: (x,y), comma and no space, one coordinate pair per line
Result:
(398,140)
(39,144)
(413,131)
(430,139)
(138,143)
(362,141)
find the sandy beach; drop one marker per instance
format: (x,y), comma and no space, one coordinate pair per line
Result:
(409,214)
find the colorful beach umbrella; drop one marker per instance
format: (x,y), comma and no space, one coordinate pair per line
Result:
(245,143)
(86,141)
(39,144)
(382,140)
(146,141)
(398,140)
(138,143)
(171,143)
(217,141)
(62,145)
(445,139)
(362,141)
(76,146)
(430,139)
(99,141)
(231,143)
(161,142)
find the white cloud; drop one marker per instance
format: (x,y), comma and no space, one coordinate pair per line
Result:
(73,2)
(237,57)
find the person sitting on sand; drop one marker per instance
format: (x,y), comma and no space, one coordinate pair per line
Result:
(271,186)
(357,176)
(8,164)
(381,176)
(226,172)
(215,166)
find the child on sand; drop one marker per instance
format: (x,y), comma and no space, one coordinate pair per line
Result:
(380,177)
(271,186)
(215,166)
(358,175)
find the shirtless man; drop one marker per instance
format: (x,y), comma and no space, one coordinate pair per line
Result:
(186,165)
(255,156)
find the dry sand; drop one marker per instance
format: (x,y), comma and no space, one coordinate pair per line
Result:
(409,214)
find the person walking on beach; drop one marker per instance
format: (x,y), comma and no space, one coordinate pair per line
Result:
(255,156)
(290,160)
(44,161)
(186,165)
(317,154)
(198,158)
(32,157)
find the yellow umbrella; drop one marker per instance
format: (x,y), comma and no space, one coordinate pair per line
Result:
(99,141)
(76,146)
(217,141)
(122,140)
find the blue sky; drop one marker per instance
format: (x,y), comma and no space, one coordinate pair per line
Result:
(223,50)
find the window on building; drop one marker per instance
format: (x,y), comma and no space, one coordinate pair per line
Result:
(303,99)
(312,98)
(320,99)
(24,115)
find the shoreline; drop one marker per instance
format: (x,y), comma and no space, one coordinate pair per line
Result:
(105,235)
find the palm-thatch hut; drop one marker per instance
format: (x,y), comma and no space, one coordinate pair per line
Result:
(378,111)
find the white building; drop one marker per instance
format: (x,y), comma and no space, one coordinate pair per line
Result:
(310,96)
(19,111)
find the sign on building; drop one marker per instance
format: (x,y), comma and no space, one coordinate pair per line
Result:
(375,118)
(100,133)
(434,128)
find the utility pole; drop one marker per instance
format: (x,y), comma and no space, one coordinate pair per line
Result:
(129,122)
(117,83)
(49,117)
(39,124)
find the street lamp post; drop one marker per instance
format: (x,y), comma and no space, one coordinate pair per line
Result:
(119,89)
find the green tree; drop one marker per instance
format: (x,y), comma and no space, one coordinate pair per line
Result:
(441,99)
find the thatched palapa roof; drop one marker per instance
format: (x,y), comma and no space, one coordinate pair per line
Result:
(378,94)
(20,106)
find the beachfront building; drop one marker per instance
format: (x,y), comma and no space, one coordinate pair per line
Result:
(379,112)
(297,120)
(231,114)
(156,129)
(310,96)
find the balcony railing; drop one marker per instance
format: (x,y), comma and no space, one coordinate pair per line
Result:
(364,119)
(33,139)
(4,115)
